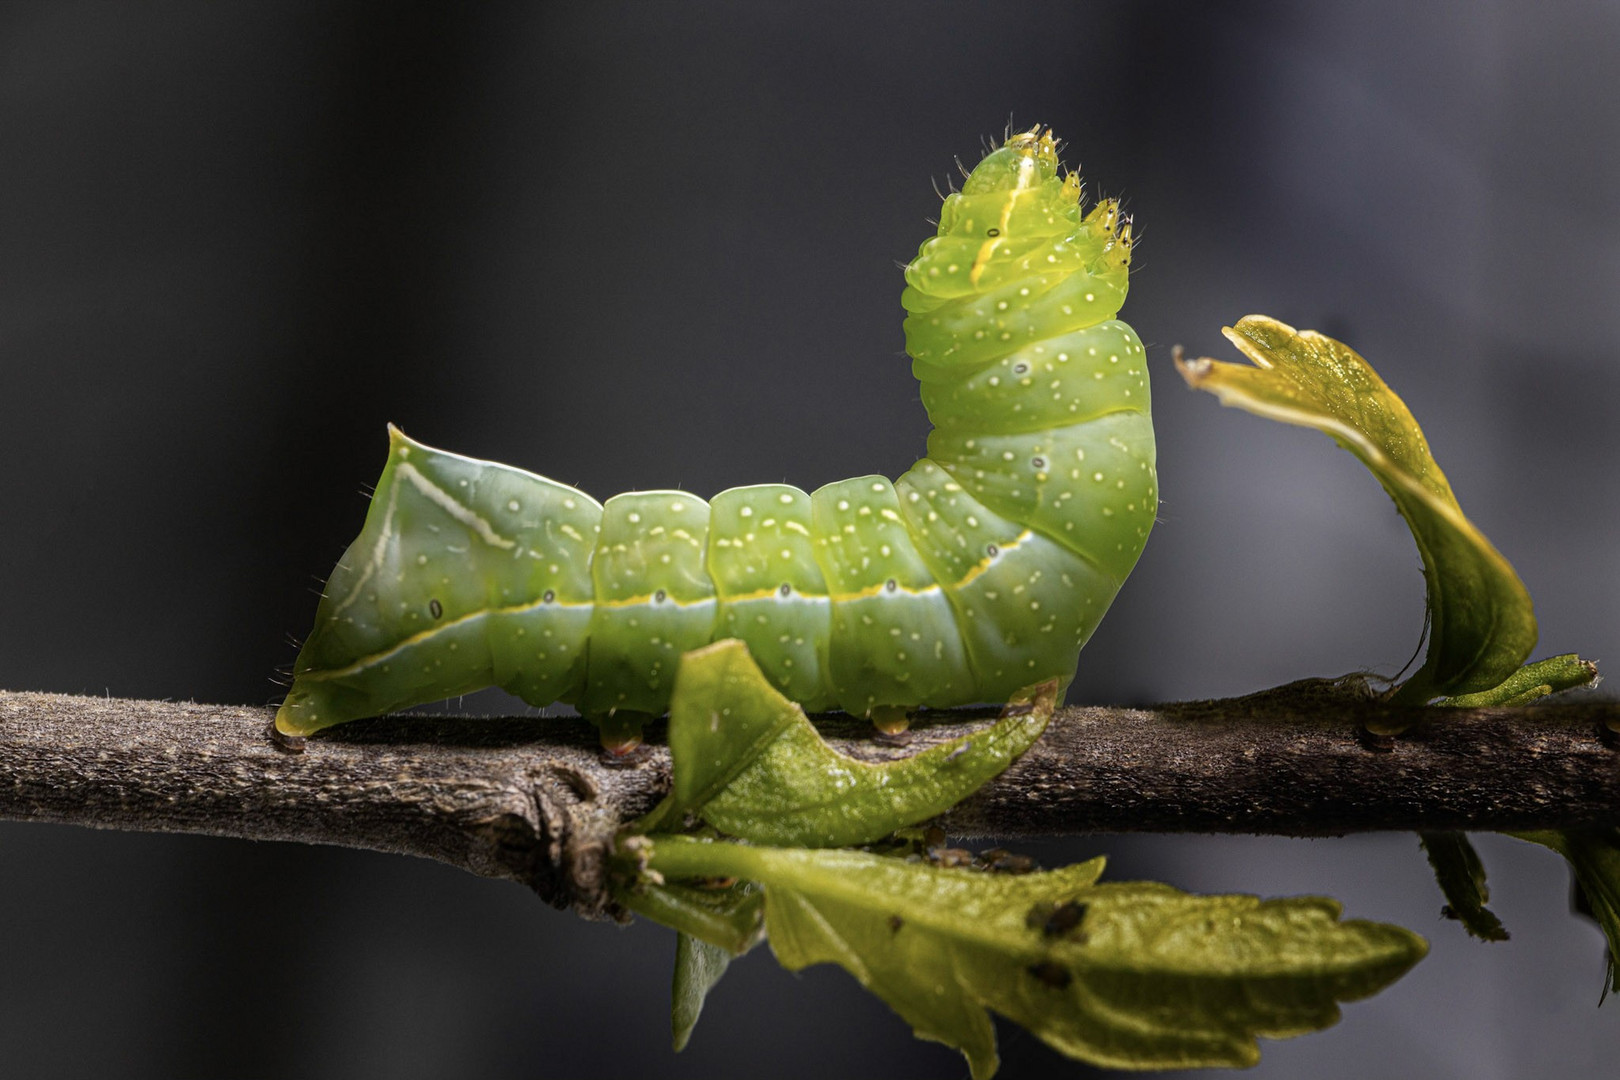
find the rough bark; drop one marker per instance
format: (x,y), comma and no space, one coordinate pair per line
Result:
(536,800)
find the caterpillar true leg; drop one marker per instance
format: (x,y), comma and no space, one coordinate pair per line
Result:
(983,569)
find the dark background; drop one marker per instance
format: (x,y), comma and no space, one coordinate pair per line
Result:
(645,246)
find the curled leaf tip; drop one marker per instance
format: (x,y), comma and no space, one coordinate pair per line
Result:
(1192,371)
(1480,618)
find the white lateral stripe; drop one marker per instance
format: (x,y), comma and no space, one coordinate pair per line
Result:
(376,553)
(774,596)
(454,508)
(986,564)
(648,602)
(424,636)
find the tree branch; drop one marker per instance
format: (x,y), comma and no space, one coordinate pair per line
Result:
(536,801)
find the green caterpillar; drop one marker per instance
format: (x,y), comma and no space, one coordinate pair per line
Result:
(983,569)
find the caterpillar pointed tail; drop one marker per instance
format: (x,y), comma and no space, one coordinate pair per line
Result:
(984,568)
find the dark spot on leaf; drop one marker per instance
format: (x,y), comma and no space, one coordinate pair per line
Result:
(1064,918)
(660,596)
(1051,973)
(891,585)
(549,595)
(435,608)
(992,232)
(786,589)
(992,551)
(895,923)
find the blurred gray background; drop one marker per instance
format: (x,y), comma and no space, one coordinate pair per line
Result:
(645,246)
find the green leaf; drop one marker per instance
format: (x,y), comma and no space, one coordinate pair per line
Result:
(1531,683)
(698,966)
(1481,626)
(747,761)
(1462,878)
(1594,857)
(730,917)
(712,925)
(1132,975)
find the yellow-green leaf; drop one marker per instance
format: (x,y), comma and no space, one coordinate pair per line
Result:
(1481,626)
(747,761)
(1531,683)
(1132,975)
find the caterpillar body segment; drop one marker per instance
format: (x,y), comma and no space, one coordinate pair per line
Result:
(983,569)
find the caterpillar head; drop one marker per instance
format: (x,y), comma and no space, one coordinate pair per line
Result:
(1015,208)
(1024,161)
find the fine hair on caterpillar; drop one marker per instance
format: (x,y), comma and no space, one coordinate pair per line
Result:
(982,569)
